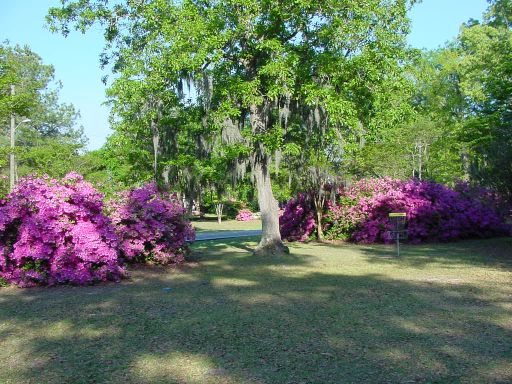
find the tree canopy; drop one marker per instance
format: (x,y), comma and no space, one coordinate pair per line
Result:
(261,76)
(28,90)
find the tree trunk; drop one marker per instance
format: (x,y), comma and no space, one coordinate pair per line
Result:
(319,203)
(156,147)
(199,203)
(270,242)
(420,161)
(12,166)
(218,209)
(319,230)
(190,205)
(466,164)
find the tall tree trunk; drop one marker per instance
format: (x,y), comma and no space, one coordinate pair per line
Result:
(319,230)
(270,242)
(12,164)
(319,210)
(466,164)
(420,161)
(156,147)
(199,203)
(218,209)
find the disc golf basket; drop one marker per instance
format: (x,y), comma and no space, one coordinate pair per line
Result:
(398,231)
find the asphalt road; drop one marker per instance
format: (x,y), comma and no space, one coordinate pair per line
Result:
(219,235)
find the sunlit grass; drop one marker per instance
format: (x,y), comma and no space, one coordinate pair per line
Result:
(324,314)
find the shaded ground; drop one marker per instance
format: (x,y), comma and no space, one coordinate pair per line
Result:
(325,314)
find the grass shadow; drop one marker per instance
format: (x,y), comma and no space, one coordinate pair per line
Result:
(321,315)
(495,253)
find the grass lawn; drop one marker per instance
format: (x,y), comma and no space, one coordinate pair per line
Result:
(325,314)
(210,224)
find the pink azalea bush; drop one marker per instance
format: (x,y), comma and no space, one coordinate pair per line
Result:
(297,222)
(434,211)
(54,232)
(245,215)
(151,225)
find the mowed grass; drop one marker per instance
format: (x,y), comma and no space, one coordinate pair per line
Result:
(324,314)
(211,224)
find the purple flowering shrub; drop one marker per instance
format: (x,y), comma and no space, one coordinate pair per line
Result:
(151,225)
(297,223)
(54,232)
(434,212)
(486,196)
(245,215)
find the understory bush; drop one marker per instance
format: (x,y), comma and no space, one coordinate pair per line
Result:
(297,222)
(434,211)
(54,232)
(245,215)
(231,208)
(4,186)
(151,225)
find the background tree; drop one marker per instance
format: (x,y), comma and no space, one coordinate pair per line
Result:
(244,60)
(52,139)
(485,72)
(423,142)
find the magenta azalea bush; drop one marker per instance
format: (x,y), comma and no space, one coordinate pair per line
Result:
(245,215)
(297,222)
(54,232)
(151,226)
(434,211)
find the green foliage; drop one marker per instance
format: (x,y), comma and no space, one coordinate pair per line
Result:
(51,141)
(238,80)
(49,156)
(127,161)
(485,72)
(35,94)
(308,89)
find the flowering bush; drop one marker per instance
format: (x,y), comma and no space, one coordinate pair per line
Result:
(54,232)
(151,225)
(297,223)
(245,215)
(434,212)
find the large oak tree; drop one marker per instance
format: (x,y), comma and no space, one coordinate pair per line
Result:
(249,65)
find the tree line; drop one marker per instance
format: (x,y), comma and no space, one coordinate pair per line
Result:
(210,97)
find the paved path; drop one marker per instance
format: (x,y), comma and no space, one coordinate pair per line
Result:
(218,235)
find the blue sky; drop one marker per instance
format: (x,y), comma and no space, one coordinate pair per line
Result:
(75,58)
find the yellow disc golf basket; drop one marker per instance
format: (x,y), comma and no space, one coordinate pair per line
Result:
(398,232)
